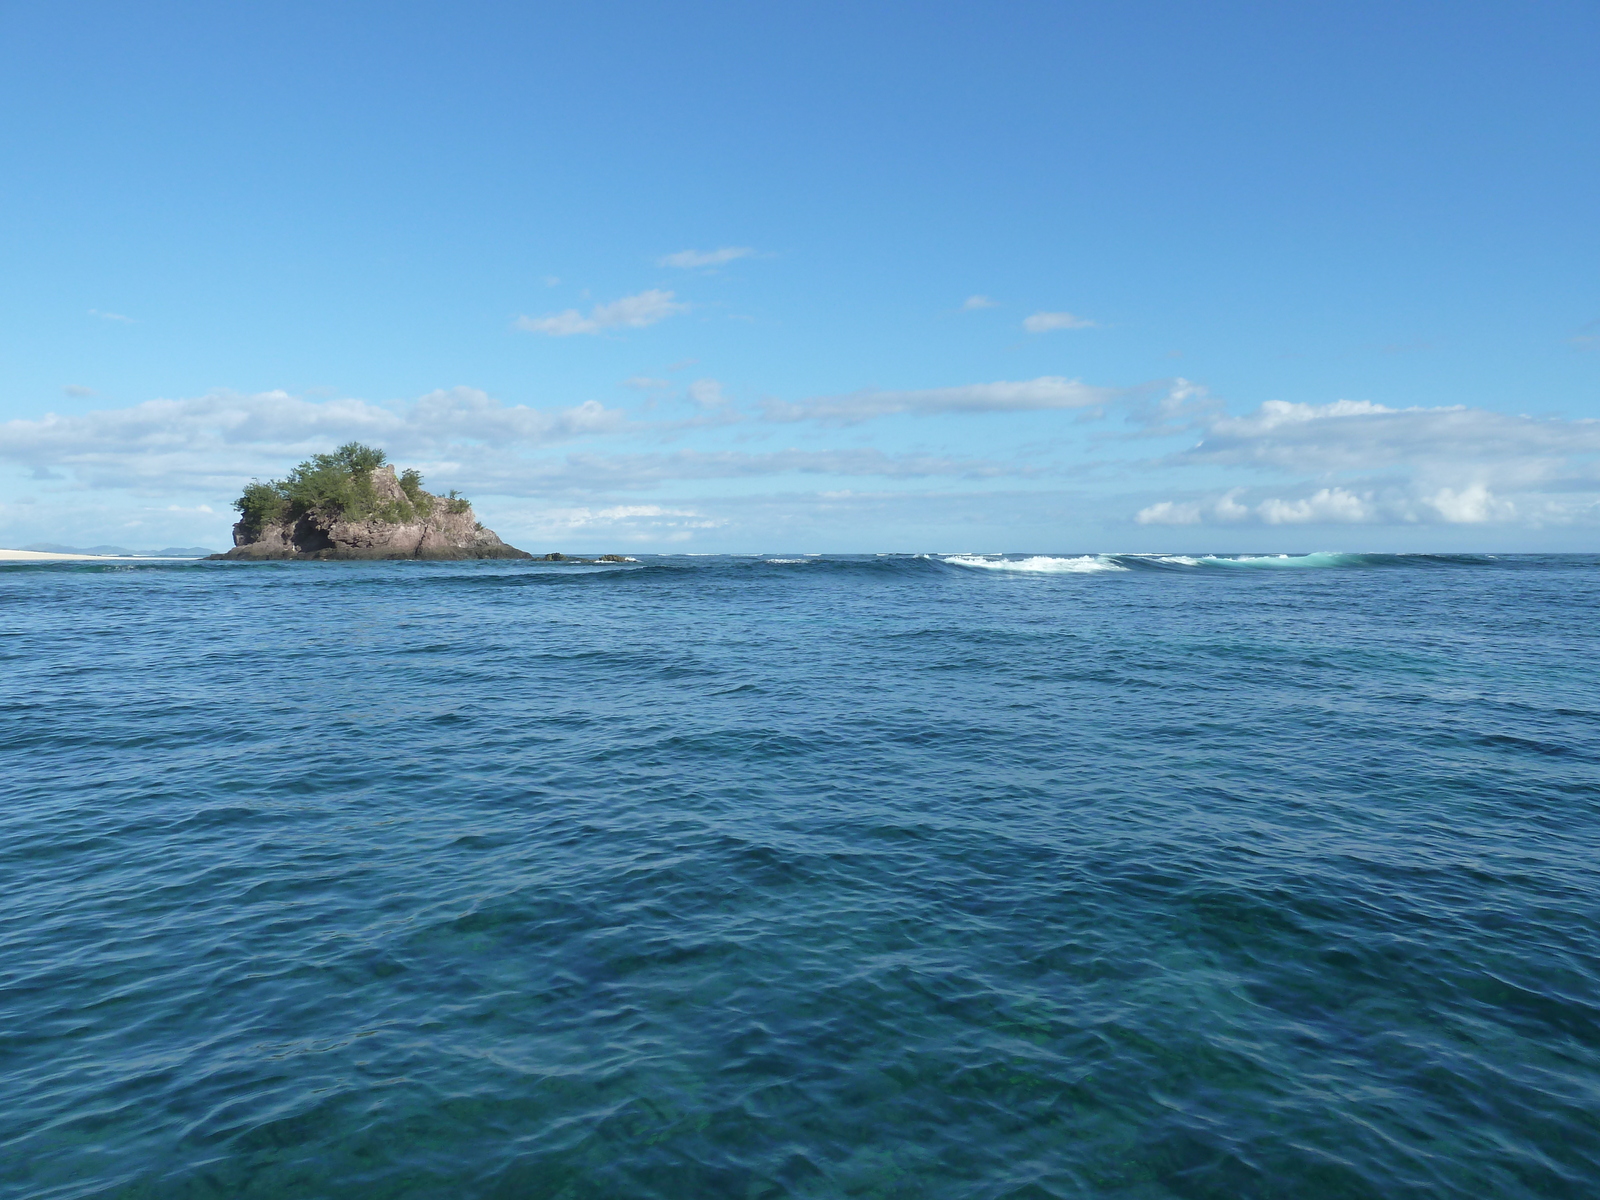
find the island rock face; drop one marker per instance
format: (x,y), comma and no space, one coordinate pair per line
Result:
(438,527)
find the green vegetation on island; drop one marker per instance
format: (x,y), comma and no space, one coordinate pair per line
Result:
(339,485)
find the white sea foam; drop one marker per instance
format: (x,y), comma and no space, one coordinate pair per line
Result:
(787,562)
(1082,564)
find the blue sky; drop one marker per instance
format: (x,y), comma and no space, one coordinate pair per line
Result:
(1143,276)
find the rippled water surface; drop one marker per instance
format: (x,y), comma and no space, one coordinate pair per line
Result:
(873,877)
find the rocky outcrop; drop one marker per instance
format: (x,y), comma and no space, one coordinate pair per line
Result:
(431,527)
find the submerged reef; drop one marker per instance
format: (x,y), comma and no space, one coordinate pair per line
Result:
(352,505)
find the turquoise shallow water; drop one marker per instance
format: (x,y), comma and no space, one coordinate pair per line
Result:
(873,876)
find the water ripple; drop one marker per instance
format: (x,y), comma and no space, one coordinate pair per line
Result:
(965,876)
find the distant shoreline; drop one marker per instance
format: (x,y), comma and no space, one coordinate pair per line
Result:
(52,556)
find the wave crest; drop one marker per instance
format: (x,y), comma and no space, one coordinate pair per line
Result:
(1082,564)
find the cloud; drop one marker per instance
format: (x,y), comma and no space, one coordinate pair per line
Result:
(704,258)
(462,435)
(213,441)
(1328,505)
(1353,435)
(1366,463)
(707,393)
(972,303)
(1333,505)
(1044,322)
(488,471)
(111,316)
(78,390)
(631,312)
(1028,395)
(632,522)
(1473,504)
(1470,505)
(606,526)
(786,520)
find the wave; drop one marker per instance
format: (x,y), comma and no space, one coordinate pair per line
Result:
(1275,562)
(888,564)
(1317,560)
(1082,564)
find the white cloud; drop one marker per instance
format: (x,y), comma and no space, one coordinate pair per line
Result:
(1344,464)
(609,526)
(630,312)
(1474,504)
(590,518)
(1169,512)
(462,436)
(1027,395)
(704,258)
(1326,506)
(77,390)
(1361,462)
(589,472)
(215,440)
(1471,504)
(111,316)
(707,393)
(1044,322)
(1351,435)
(972,303)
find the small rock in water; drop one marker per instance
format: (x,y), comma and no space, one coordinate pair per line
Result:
(398,519)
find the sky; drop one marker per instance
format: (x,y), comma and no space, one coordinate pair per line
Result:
(837,277)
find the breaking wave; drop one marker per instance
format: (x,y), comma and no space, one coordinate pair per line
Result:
(1082,564)
(1318,560)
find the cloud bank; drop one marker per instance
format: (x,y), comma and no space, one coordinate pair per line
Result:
(221,438)
(1282,465)
(1365,463)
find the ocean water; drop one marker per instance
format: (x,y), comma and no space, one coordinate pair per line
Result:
(780,876)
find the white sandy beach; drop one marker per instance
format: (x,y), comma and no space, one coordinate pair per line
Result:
(41,556)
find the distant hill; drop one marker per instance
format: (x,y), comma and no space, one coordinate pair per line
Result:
(164,552)
(57,548)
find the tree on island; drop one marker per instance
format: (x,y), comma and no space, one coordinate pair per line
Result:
(339,486)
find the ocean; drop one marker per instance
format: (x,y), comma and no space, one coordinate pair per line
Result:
(946,876)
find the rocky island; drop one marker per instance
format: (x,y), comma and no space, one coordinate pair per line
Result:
(351,505)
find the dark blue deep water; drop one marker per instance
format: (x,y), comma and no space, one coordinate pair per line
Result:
(848,876)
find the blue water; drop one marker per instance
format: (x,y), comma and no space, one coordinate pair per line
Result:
(863,876)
